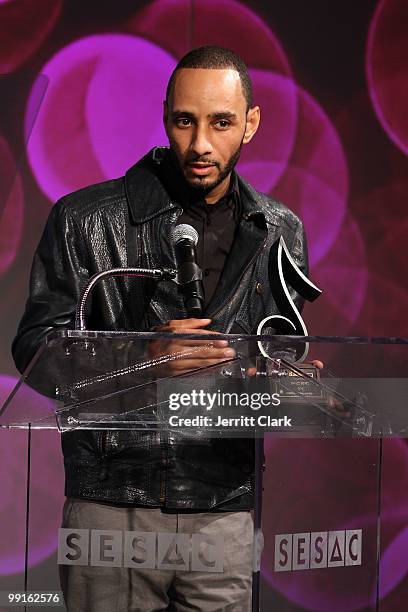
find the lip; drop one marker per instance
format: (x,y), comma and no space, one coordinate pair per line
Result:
(199,168)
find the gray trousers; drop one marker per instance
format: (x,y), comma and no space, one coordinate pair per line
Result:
(89,588)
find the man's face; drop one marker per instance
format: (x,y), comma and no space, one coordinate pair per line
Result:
(206,121)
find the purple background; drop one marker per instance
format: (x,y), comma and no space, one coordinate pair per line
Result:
(332,81)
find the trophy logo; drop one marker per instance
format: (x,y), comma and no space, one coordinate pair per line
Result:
(285,273)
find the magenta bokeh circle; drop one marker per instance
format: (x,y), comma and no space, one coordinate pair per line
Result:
(265,158)
(386,67)
(343,276)
(124,102)
(98,89)
(216,22)
(386,258)
(315,184)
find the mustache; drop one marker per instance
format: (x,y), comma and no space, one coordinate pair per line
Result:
(202,160)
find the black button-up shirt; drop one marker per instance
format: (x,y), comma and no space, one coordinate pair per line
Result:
(216,225)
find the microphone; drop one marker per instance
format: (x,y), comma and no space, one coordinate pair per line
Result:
(189,275)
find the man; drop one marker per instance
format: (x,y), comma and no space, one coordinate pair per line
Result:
(133,480)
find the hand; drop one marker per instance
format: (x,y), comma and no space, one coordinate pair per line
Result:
(191,354)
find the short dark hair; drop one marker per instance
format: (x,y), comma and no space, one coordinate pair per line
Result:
(214,57)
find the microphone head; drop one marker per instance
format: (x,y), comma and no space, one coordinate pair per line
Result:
(184,232)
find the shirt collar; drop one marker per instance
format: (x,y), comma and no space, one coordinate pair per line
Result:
(230,199)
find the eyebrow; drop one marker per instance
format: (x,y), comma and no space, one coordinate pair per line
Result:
(223,115)
(218,115)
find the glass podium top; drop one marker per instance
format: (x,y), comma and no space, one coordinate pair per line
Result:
(214,385)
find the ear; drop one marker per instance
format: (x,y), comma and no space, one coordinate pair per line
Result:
(252,122)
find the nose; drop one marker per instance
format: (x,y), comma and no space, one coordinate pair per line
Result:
(201,144)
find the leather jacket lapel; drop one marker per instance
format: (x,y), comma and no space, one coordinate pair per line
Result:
(145,192)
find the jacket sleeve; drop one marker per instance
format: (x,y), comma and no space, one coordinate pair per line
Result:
(58,275)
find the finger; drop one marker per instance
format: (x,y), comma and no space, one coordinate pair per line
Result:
(170,347)
(251,371)
(192,330)
(172,327)
(188,323)
(186,365)
(182,344)
(317,363)
(179,344)
(192,342)
(206,352)
(202,332)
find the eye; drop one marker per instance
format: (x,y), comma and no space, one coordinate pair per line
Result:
(222,124)
(183,122)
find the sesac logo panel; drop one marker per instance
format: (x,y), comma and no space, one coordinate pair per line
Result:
(318,549)
(197,552)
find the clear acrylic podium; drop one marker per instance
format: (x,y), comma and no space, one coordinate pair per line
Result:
(315,438)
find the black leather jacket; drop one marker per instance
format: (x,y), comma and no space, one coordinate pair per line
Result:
(127,222)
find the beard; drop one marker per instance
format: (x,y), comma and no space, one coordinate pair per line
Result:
(198,185)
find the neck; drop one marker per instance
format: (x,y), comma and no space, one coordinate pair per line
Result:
(219,191)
